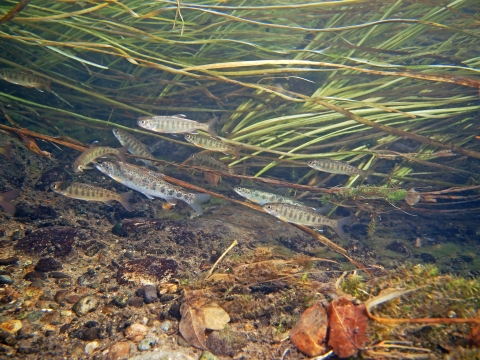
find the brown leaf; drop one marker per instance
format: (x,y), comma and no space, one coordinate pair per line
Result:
(215,317)
(211,178)
(347,327)
(192,325)
(310,332)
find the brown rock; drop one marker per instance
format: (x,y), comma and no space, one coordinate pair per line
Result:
(119,351)
(310,332)
(11,326)
(136,332)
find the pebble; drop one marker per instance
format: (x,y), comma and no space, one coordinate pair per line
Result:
(121,300)
(34,316)
(11,326)
(9,261)
(207,355)
(148,292)
(86,304)
(166,326)
(6,280)
(66,313)
(162,355)
(147,344)
(91,347)
(58,275)
(136,302)
(136,332)
(48,264)
(34,275)
(119,351)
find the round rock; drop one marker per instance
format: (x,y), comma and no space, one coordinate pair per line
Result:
(86,304)
(48,264)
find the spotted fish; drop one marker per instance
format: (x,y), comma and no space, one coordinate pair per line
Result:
(135,146)
(94,152)
(6,200)
(24,79)
(151,184)
(176,124)
(209,143)
(210,162)
(336,167)
(262,197)
(302,215)
(91,193)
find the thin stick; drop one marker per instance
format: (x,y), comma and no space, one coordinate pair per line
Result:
(235,243)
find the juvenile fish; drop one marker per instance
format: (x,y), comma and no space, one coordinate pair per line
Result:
(209,143)
(135,146)
(305,216)
(5,151)
(91,193)
(263,197)
(336,167)
(175,124)
(151,184)
(94,152)
(24,79)
(6,200)
(210,162)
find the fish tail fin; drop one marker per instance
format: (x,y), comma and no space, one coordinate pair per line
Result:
(7,151)
(198,200)
(122,152)
(6,200)
(340,224)
(211,125)
(125,200)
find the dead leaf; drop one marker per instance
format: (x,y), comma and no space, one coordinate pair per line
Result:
(192,325)
(347,327)
(215,317)
(310,332)
(211,178)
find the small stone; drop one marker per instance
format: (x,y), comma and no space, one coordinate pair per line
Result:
(72,298)
(58,275)
(147,344)
(9,261)
(121,300)
(148,292)
(136,332)
(166,326)
(34,275)
(207,355)
(37,283)
(226,342)
(34,316)
(146,271)
(60,296)
(11,326)
(6,280)
(119,351)
(88,334)
(86,304)
(91,347)
(136,302)
(48,264)
(66,313)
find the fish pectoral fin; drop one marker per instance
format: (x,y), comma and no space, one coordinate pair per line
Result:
(148,196)
(282,218)
(172,201)
(108,202)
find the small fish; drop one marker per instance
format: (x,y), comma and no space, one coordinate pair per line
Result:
(151,184)
(5,151)
(6,200)
(94,152)
(302,215)
(336,167)
(210,162)
(175,124)
(263,197)
(91,193)
(135,146)
(24,79)
(209,143)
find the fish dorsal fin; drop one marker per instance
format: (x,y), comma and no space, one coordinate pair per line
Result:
(180,116)
(94,144)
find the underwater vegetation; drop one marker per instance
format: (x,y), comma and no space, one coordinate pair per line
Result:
(354,123)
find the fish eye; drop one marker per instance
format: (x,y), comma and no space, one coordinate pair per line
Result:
(54,186)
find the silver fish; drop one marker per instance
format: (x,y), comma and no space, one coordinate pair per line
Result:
(209,143)
(302,215)
(151,184)
(176,124)
(210,162)
(262,197)
(94,152)
(91,193)
(336,167)
(135,146)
